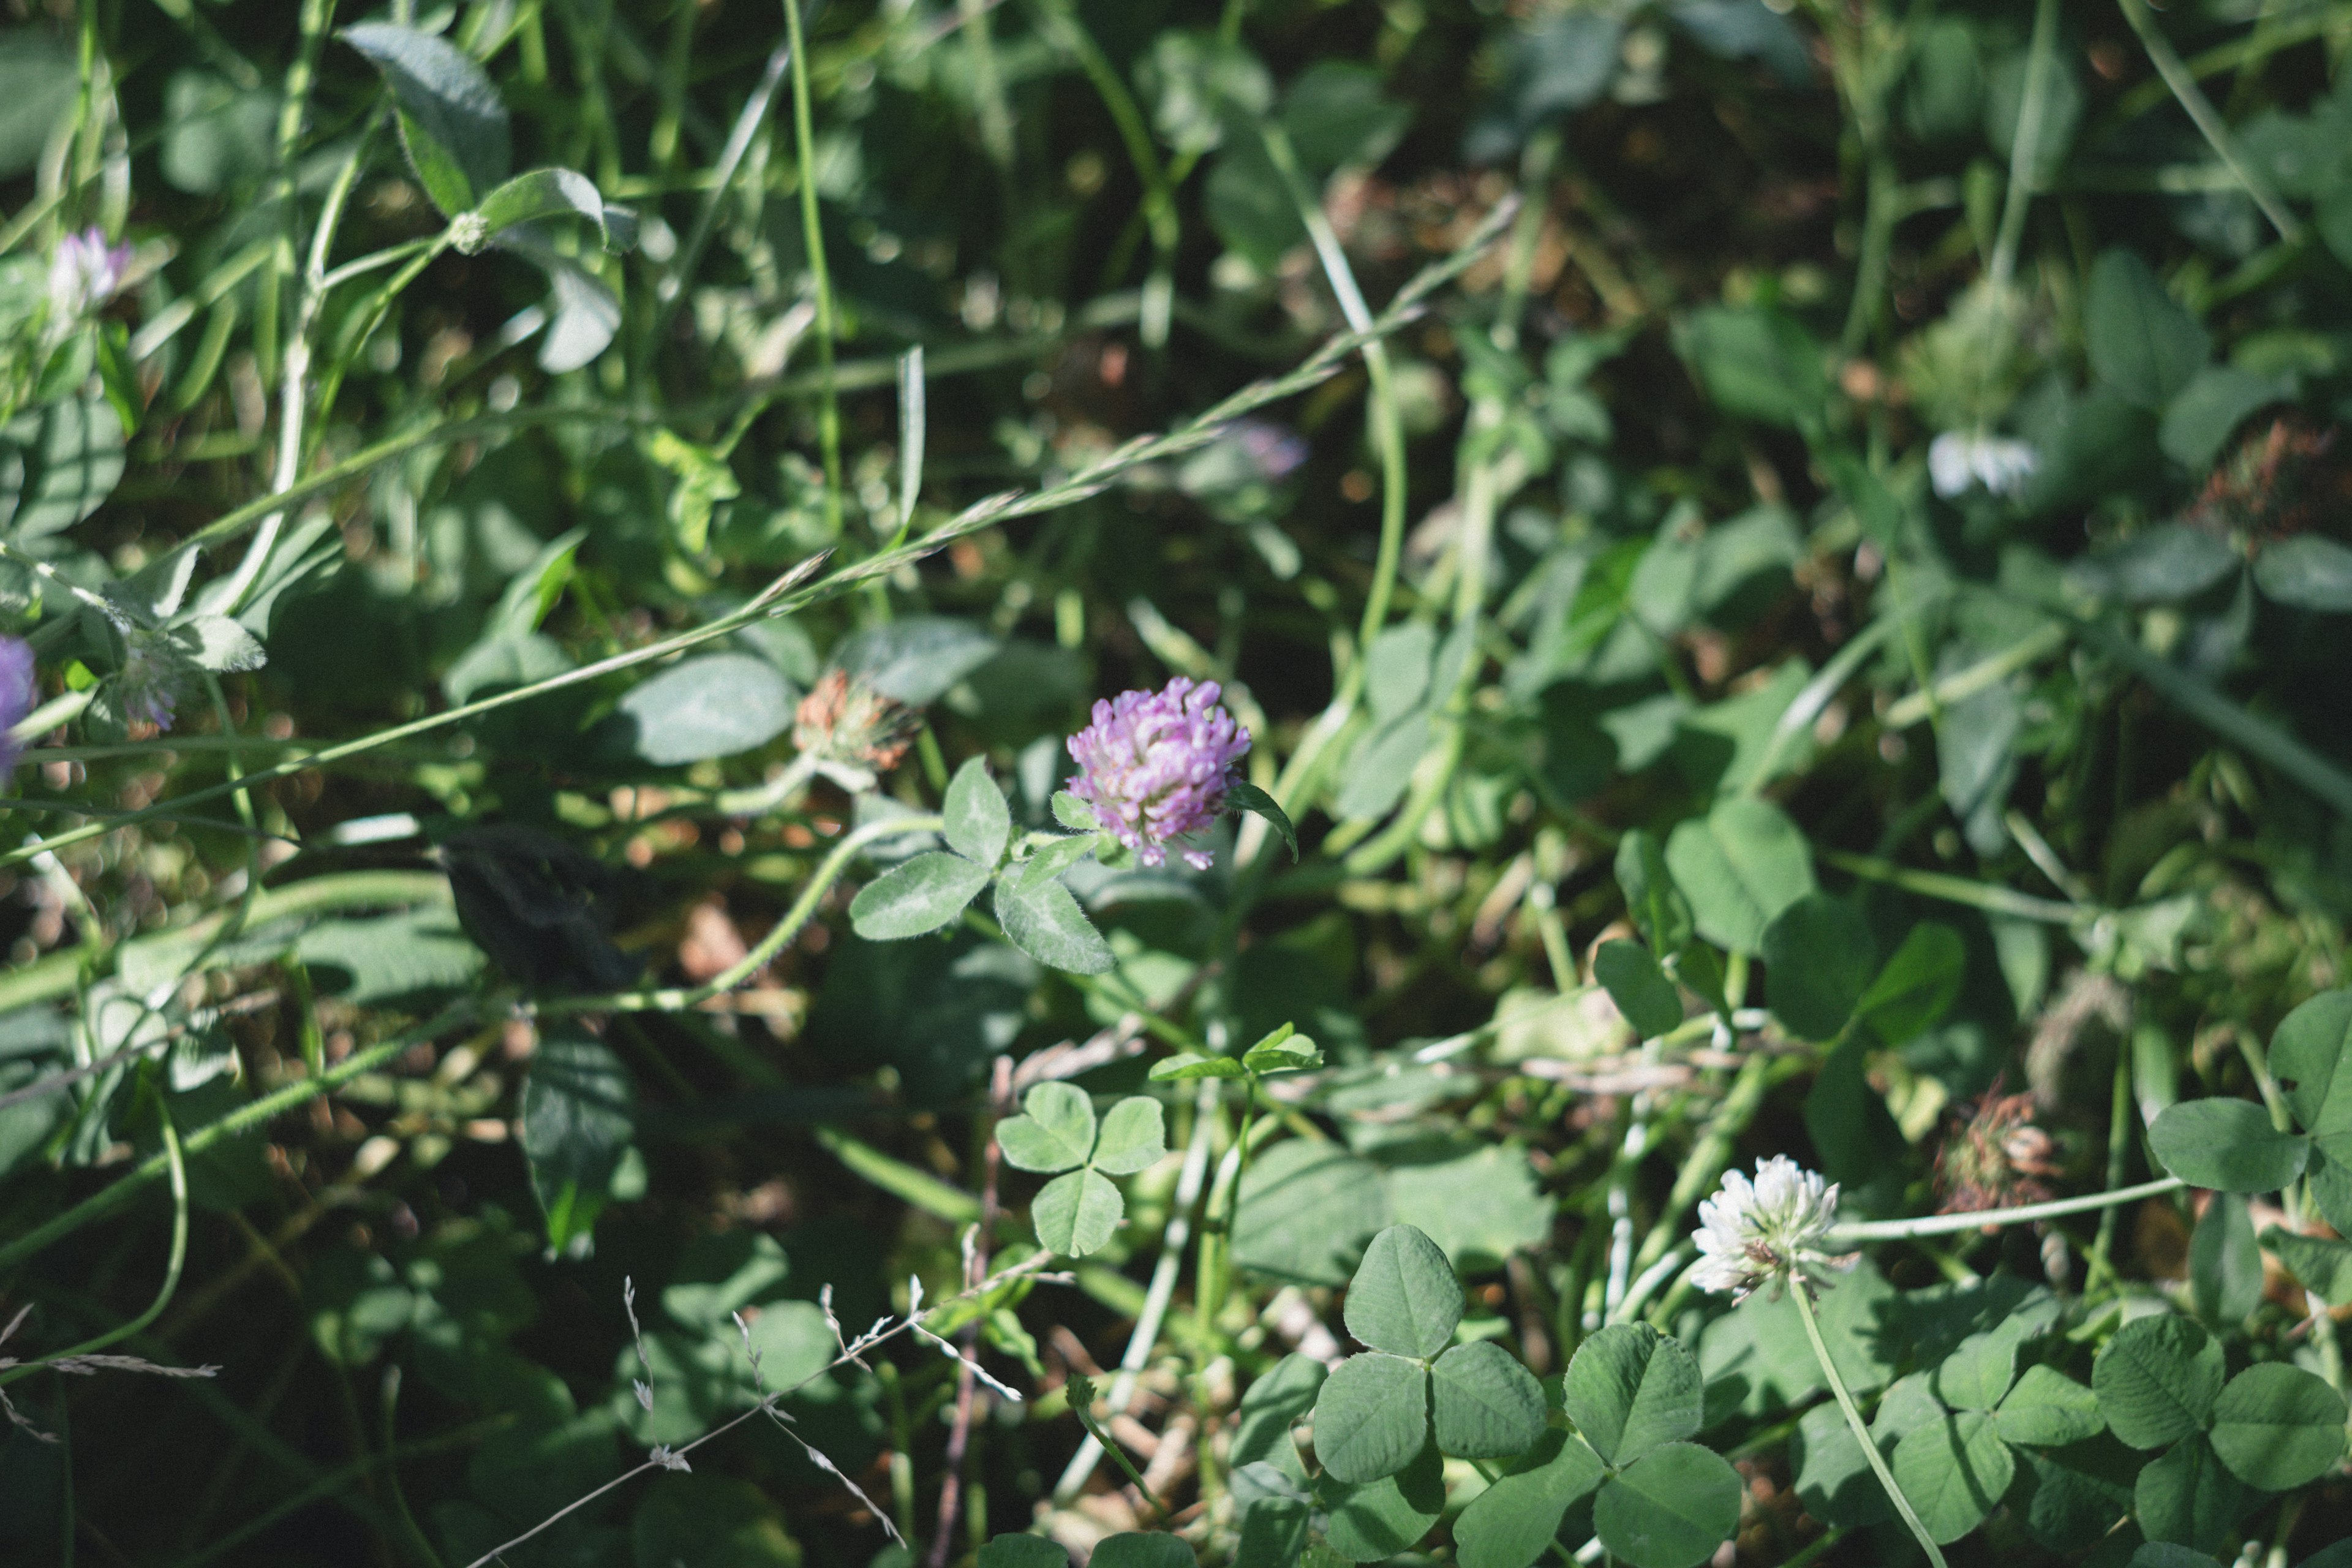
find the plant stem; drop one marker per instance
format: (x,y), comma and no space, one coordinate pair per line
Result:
(2209,124)
(2025,144)
(819,279)
(1950,1223)
(1803,1293)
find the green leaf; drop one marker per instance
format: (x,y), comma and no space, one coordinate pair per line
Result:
(409,953)
(2225,1263)
(1740,866)
(1917,986)
(2048,1409)
(1283,1051)
(1186,1065)
(1643,994)
(1133,1136)
(1404,1298)
(1306,1211)
(712,1519)
(978,822)
(1976,1373)
(38,79)
(1512,1522)
(1057,857)
(1278,1401)
(452,120)
(2185,1495)
(1377,1519)
(1819,959)
(2329,1182)
(2227,1145)
(1757,363)
(2277,1427)
(2157,1380)
(1833,1480)
(1243,796)
(1076,1213)
(1371,1418)
(1847,1119)
(217,644)
(2320,1266)
(716,705)
(1141,1549)
(1655,905)
(2203,415)
(552,192)
(1054,1132)
(71,457)
(2166,1554)
(1485,1405)
(1954,1472)
(2308,1056)
(1671,1508)
(917,896)
(1629,1389)
(1022,1551)
(1336,115)
(1480,1202)
(578,1115)
(1073,813)
(2308,572)
(2142,344)
(1042,921)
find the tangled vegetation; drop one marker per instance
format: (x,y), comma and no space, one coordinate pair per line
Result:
(1000,782)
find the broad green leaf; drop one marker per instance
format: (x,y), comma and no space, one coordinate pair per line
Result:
(1022,1551)
(2311,574)
(2320,1266)
(1056,858)
(1055,1130)
(1847,1119)
(1485,1405)
(915,660)
(1917,986)
(1185,1066)
(2166,1554)
(1819,959)
(2203,415)
(1739,865)
(1657,906)
(917,896)
(1976,1375)
(1141,1549)
(977,821)
(2309,1055)
(1833,1480)
(1512,1522)
(583,313)
(452,120)
(2329,1180)
(1336,115)
(710,1519)
(1757,363)
(554,193)
(217,644)
(1954,1472)
(1278,1401)
(1133,1136)
(1629,1389)
(409,953)
(2142,344)
(2227,1145)
(2185,1495)
(2157,1380)
(2048,1409)
(1371,1418)
(1377,1519)
(67,459)
(2277,1427)
(38,79)
(1643,994)
(1275,1531)
(1292,1053)
(2079,1493)
(2160,565)
(1404,1298)
(716,705)
(1396,669)
(1243,796)
(1073,813)
(1076,1213)
(2225,1262)
(578,1115)
(1305,1212)
(1669,1509)
(1480,1202)
(1044,921)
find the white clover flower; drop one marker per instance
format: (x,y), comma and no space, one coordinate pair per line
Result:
(85,272)
(2001,465)
(1752,1234)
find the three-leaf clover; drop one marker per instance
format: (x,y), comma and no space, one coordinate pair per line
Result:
(1077,1213)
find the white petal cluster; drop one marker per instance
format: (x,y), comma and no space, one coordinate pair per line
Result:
(1956,462)
(1752,1233)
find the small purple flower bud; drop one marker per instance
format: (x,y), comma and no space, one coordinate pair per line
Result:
(148,688)
(1155,766)
(1278,450)
(85,273)
(18,694)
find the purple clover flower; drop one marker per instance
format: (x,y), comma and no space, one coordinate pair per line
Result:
(18,694)
(148,687)
(85,273)
(1155,766)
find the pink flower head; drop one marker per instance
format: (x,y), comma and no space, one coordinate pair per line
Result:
(17,694)
(1155,766)
(85,273)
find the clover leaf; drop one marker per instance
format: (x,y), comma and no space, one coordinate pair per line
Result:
(1077,1213)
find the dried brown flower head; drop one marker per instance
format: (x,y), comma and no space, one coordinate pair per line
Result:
(1997,1157)
(2284,480)
(852,731)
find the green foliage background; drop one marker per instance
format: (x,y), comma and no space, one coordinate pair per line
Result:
(1788,570)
